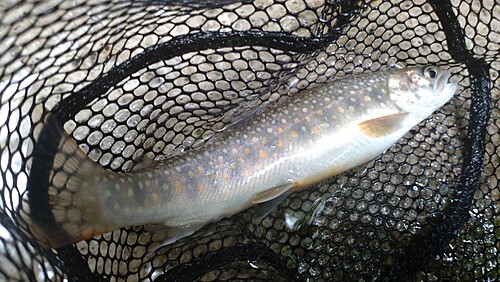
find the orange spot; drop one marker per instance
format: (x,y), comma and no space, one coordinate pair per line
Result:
(154,197)
(307,118)
(262,154)
(245,172)
(294,134)
(257,166)
(178,187)
(314,130)
(201,187)
(225,177)
(320,112)
(280,129)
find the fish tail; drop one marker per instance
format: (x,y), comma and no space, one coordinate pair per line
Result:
(62,204)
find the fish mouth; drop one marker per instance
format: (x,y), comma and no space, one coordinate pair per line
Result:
(444,89)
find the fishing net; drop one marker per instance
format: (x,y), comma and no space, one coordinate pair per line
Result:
(155,78)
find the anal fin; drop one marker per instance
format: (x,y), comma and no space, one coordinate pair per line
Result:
(163,234)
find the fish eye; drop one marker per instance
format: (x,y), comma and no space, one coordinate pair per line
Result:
(430,72)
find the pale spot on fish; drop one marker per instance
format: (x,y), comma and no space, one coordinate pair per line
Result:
(280,129)
(353,99)
(367,98)
(320,112)
(213,175)
(130,192)
(351,109)
(341,110)
(200,169)
(269,130)
(225,177)
(304,110)
(245,172)
(107,194)
(280,143)
(314,130)
(247,151)
(296,120)
(294,134)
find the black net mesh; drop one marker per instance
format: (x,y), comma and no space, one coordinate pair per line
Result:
(154,78)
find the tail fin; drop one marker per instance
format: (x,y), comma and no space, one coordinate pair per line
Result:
(62,204)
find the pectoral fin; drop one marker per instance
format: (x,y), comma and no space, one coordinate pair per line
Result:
(267,200)
(382,126)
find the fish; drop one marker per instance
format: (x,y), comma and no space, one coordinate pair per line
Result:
(312,136)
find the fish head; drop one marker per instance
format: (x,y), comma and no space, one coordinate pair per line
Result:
(420,90)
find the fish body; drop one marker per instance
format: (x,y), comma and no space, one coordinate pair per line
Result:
(314,135)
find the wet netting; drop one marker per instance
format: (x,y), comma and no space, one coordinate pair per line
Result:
(132,78)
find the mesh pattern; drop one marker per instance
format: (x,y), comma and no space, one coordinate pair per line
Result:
(155,78)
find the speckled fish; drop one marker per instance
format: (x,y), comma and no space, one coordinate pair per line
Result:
(314,135)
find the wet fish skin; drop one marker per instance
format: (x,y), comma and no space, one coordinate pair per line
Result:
(314,135)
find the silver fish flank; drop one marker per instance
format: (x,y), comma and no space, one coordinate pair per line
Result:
(314,135)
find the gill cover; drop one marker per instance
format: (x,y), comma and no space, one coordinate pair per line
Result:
(420,90)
